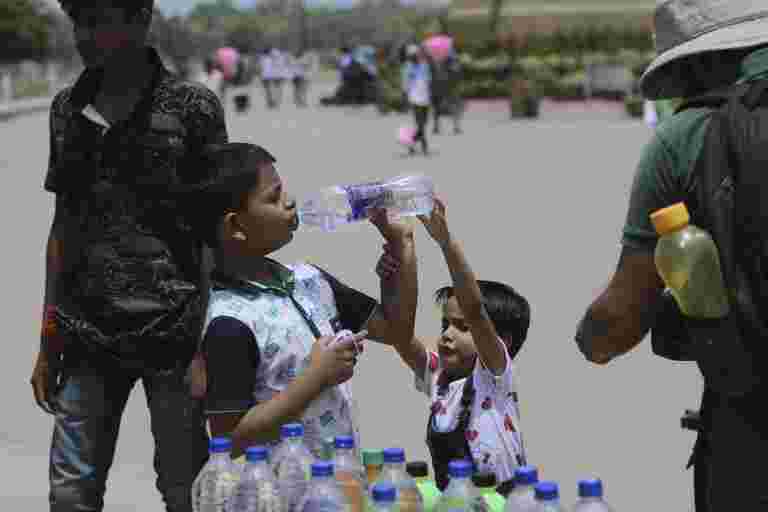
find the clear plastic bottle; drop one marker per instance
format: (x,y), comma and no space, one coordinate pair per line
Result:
(323,494)
(688,262)
(292,465)
(523,496)
(460,495)
(338,205)
(257,490)
(430,494)
(488,499)
(547,498)
(216,481)
(349,472)
(408,496)
(591,497)
(384,498)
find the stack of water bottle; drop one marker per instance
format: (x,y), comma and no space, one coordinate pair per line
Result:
(290,479)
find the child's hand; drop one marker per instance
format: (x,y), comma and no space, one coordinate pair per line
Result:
(335,362)
(388,264)
(437,224)
(393,230)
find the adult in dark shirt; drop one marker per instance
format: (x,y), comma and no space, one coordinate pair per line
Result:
(124,276)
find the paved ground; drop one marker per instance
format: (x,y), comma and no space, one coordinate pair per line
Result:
(537,204)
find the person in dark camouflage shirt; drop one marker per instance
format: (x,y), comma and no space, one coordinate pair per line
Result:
(125,277)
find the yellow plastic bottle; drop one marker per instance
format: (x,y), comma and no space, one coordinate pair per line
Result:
(688,262)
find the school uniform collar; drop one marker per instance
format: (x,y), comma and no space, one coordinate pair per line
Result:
(283,281)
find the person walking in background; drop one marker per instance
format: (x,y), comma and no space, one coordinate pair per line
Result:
(269,74)
(446,94)
(301,65)
(417,82)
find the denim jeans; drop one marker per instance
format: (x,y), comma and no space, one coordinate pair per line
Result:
(89,407)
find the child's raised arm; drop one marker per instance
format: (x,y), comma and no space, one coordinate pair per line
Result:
(399,291)
(467,291)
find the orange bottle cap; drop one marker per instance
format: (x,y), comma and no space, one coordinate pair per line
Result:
(670,219)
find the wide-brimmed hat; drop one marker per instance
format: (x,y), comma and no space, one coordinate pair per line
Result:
(687,28)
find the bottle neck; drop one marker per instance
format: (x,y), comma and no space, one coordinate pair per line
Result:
(394,466)
(486,490)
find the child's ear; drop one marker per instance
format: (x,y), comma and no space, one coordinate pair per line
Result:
(232,228)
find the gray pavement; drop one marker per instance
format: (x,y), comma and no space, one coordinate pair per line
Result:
(537,204)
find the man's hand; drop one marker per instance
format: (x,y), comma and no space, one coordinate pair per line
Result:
(394,231)
(436,224)
(45,379)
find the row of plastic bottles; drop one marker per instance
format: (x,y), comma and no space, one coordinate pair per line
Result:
(290,479)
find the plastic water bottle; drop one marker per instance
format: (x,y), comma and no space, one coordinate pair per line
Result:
(349,472)
(384,498)
(487,499)
(591,497)
(292,465)
(430,494)
(408,496)
(460,495)
(523,496)
(373,460)
(257,490)
(547,498)
(323,494)
(334,206)
(214,484)
(688,262)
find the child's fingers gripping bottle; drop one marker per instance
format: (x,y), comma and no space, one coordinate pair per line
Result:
(430,494)
(688,262)
(490,500)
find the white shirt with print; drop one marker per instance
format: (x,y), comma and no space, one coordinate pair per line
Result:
(493,433)
(285,342)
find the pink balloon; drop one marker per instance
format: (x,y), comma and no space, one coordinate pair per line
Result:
(228,58)
(406,135)
(439,47)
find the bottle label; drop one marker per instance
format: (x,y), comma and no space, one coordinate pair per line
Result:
(365,196)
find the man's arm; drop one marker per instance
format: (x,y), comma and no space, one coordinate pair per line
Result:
(618,320)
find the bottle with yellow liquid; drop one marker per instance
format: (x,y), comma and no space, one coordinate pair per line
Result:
(688,262)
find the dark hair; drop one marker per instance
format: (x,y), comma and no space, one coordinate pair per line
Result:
(229,172)
(131,7)
(508,310)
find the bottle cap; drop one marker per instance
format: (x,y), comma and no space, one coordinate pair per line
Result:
(292,430)
(670,219)
(220,445)
(484,479)
(323,468)
(394,456)
(526,475)
(384,493)
(373,457)
(256,454)
(344,442)
(459,468)
(547,491)
(592,488)
(417,469)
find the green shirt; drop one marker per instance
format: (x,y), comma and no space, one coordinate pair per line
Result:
(665,172)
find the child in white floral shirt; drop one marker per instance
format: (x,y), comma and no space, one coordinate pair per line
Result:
(470,379)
